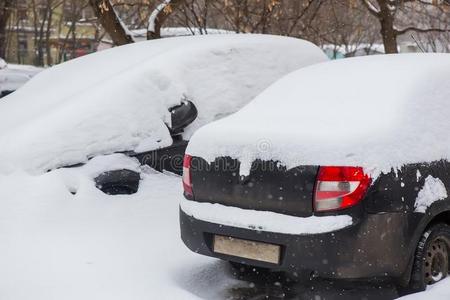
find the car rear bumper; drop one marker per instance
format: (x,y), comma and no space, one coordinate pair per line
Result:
(376,246)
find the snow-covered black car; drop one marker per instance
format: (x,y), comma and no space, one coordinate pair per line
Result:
(348,181)
(142,100)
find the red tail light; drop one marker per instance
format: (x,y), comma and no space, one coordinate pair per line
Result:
(187,182)
(340,187)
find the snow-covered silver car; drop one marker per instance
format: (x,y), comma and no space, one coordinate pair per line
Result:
(13,76)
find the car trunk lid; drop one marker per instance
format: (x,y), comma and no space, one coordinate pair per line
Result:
(268,187)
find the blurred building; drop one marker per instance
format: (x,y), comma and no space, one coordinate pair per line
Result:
(43,35)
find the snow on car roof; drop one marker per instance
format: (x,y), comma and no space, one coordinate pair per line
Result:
(378,112)
(166,32)
(118,99)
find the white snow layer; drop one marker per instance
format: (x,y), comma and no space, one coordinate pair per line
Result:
(3,63)
(117,99)
(377,112)
(55,245)
(263,220)
(14,76)
(166,32)
(438,291)
(433,190)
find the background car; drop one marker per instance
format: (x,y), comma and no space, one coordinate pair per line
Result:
(144,99)
(13,76)
(346,183)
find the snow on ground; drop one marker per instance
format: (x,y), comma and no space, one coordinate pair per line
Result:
(118,99)
(439,291)
(59,246)
(377,112)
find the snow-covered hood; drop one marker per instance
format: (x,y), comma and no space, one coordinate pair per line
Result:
(118,99)
(376,112)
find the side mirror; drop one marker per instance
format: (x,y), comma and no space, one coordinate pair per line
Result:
(182,115)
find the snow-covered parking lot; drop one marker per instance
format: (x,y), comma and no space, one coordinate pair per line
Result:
(57,245)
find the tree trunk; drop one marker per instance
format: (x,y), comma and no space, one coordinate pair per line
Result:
(159,16)
(112,24)
(48,49)
(5,12)
(389,35)
(40,40)
(388,32)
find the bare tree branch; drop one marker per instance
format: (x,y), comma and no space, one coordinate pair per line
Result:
(423,30)
(371,8)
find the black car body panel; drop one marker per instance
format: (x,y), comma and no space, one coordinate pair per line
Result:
(5,93)
(119,182)
(355,252)
(165,159)
(269,186)
(171,158)
(398,190)
(380,243)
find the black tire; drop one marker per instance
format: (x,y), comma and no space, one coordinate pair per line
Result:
(114,189)
(431,260)
(118,182)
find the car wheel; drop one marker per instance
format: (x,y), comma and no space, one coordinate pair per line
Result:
(431,261)
(118,182)
(114,189)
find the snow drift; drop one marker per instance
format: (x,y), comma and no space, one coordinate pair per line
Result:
(376,112)
(119,98)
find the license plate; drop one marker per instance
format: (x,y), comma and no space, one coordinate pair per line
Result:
(247,249)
